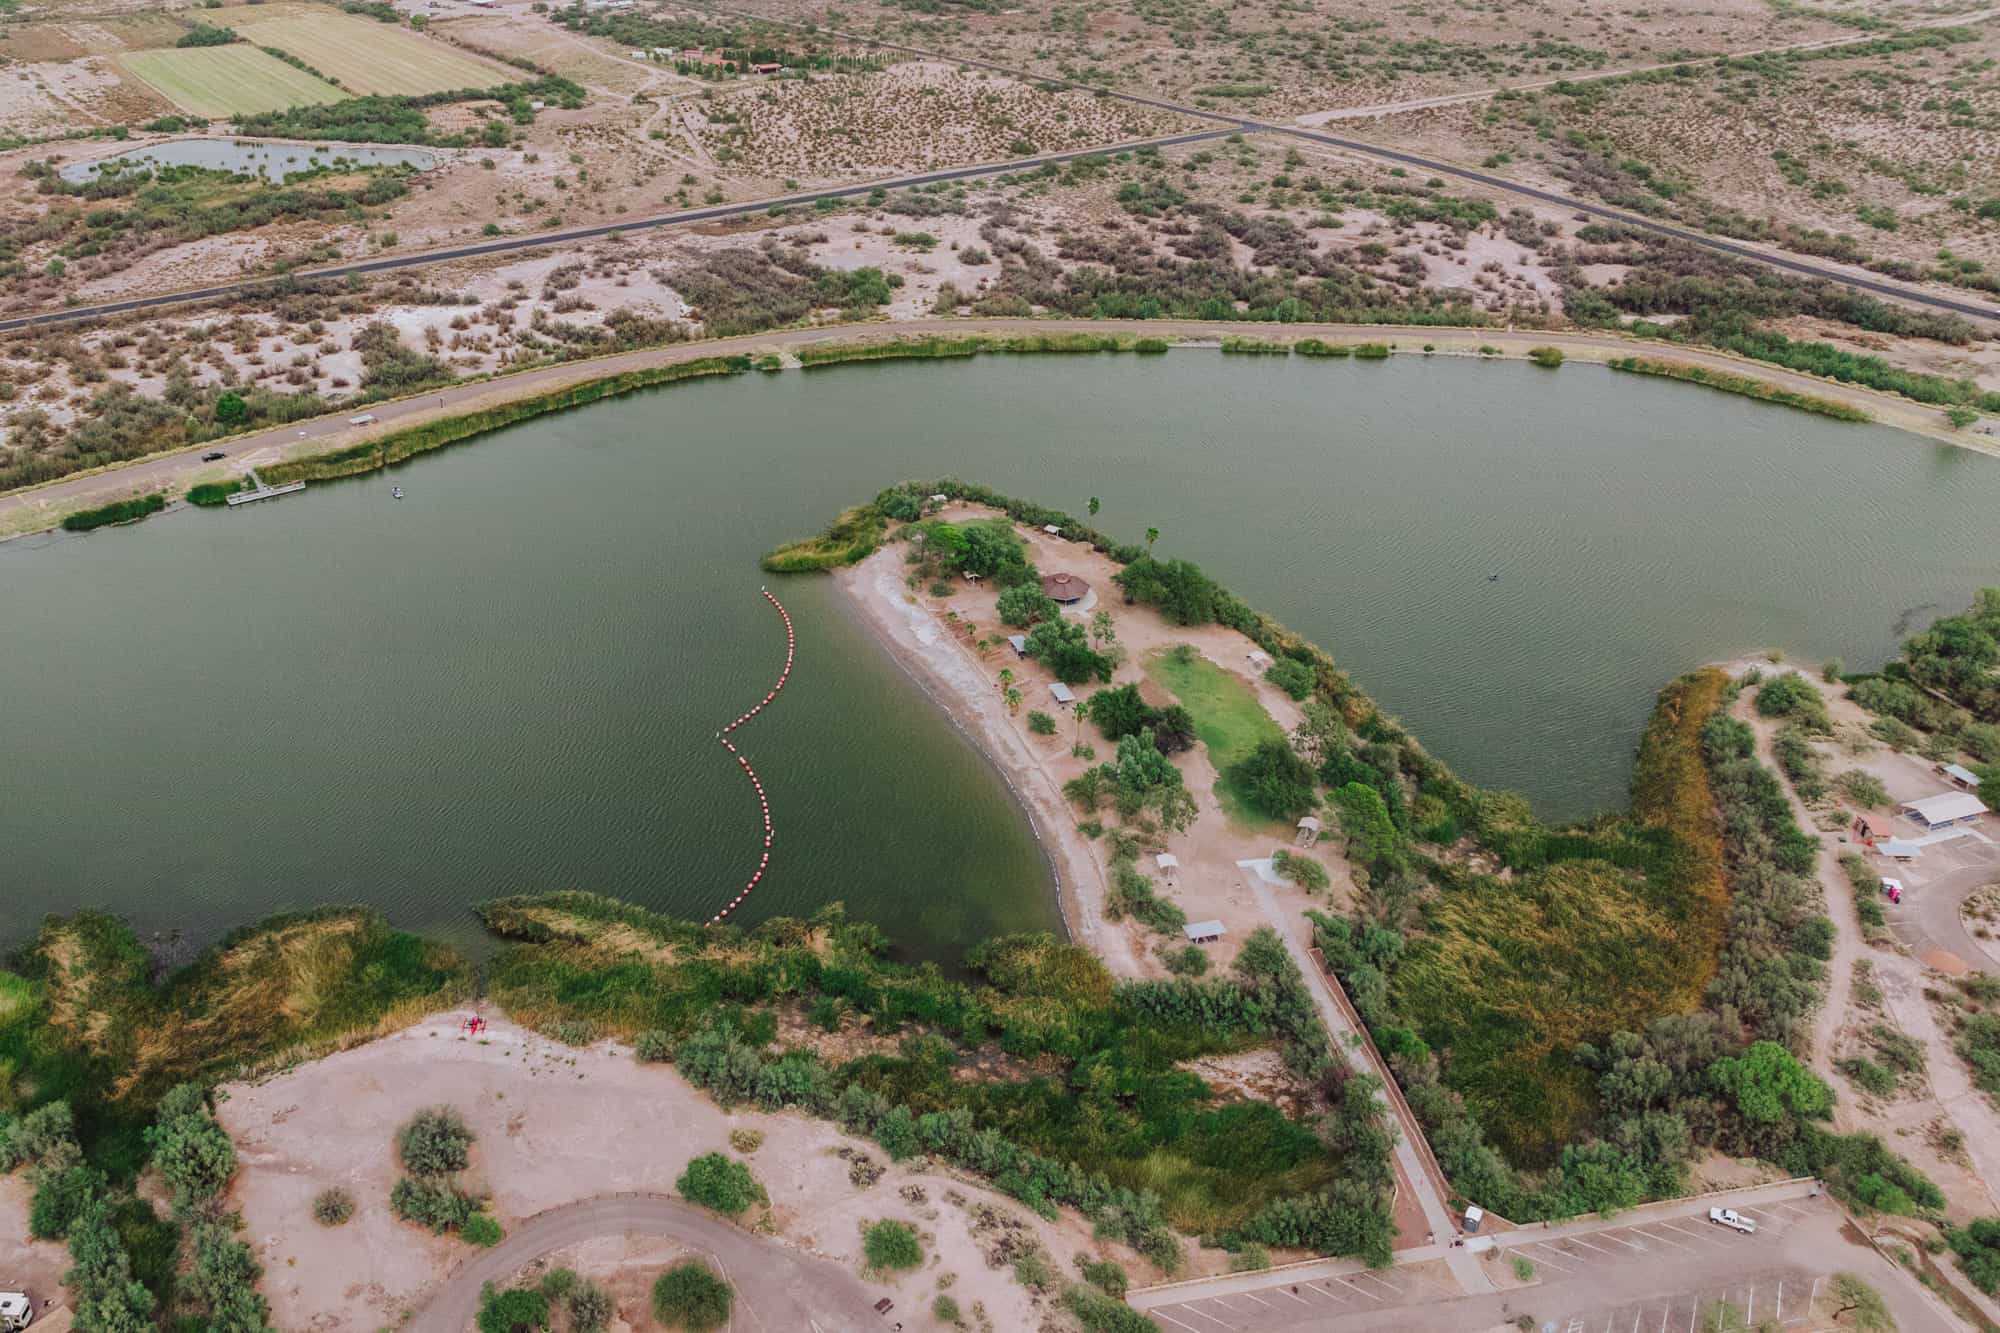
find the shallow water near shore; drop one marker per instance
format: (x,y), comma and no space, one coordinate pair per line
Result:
(510,680)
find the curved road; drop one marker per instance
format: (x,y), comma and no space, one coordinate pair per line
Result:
(1930,920)
(776,1288)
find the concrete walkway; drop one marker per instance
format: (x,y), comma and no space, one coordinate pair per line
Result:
(776,1288)
(1464,1267)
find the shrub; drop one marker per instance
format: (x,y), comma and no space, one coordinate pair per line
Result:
(193,1152)
(653,1046)
(945,1310)
(717,1182)
(1292,676)
(890,1245)
(746,1140)
(1041,723)
(1792,695)
(482,1230)
(1025,604)
(1106,1276)
(1863,788)
(213,494)
(1099,1313)
(1303,871)
(432,1203)
(332,1207)
(1547,357)
(688,1296)
(123,511)
(435,1142)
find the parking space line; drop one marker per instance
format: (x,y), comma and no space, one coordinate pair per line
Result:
(1362,1292)
(1663,1240)
(1189,1309)
(1550,1262)
(1691,1235)
(1287,1291)
(1327,1289)
(1393,1288)
(1605,1235)
(1249,1296)
(1162,1313)
(1573,1240)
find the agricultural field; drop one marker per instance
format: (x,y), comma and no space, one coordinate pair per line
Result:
(216,81)
(75,38)
(366,57)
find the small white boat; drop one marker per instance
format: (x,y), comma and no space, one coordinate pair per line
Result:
(397,492)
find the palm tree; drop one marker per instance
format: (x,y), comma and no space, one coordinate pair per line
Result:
(1082,712)
(1093,506)
(1013,701)
(1006,679)
(1152,535)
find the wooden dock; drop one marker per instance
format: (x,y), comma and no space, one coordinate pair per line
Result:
(263,492)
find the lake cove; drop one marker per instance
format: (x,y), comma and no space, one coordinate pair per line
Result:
(510,680)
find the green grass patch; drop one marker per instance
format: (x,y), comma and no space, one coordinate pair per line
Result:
(123,511)
(848,540)
(1227,716)
(213,494)
(1743,385)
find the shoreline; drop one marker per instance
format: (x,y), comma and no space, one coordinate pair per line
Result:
(910,636)
(37,508)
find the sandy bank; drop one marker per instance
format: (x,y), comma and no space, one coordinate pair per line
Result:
(952,677)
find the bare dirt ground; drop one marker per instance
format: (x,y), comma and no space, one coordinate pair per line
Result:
(33,1266)
(1880,989)
(556,1124)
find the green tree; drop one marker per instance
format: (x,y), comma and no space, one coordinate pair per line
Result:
(193,1152)
(1275,780)
(1024,604)
(1989,785)
(1093,506)
(512,1310)
(1082,712)
(1860,1306)
(1292,676)
(1371,834)
(230,408)
(1769,1083)
(1152,535)
(1064,648)
(688,1296)
(1102,632)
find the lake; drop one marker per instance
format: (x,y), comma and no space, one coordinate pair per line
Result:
(509,681)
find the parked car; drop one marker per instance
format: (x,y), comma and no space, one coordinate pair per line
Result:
(1732,1219)
(213,455)
(1892,889)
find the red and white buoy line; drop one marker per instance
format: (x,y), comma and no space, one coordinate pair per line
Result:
(791,646)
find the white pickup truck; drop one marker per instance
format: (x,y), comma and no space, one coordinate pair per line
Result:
(1735,1221)
(16,1311)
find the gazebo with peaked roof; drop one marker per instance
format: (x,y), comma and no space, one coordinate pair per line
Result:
(1064,588)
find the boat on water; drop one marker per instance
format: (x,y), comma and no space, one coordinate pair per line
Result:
(396,491)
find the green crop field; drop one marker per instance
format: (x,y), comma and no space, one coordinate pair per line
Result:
(223,80)
(371,57)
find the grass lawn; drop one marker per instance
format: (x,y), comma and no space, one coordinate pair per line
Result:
(371,57)
(1227,717)
(215,81)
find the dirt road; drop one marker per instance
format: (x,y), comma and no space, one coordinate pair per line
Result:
(776,1287)
(40,508)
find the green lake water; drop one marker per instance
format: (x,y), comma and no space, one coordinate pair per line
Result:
(509,680)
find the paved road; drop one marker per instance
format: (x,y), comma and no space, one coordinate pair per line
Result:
(1930,920)
(1663,1266)
(573,235)
(1830,273)
(1380,109)
(776,1288)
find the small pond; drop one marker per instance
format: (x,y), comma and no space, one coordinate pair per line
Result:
(254,157)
